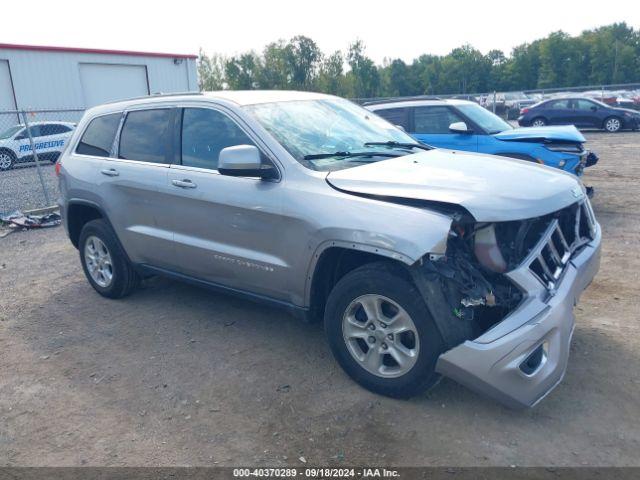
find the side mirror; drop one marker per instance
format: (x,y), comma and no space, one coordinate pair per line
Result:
(400,127)
(244,161)
(594,108)
(459,127)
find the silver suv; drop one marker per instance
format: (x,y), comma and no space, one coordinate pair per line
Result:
(421,262)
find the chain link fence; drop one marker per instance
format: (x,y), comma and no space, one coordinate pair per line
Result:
(30,143)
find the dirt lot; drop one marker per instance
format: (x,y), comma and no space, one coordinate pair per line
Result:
(175,375)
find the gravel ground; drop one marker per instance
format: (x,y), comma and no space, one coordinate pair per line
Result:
(20,187)
(175,375)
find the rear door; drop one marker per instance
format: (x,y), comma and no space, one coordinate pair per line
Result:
(228,230)
(430,125)
(559,112)
(134,185)
(51,141)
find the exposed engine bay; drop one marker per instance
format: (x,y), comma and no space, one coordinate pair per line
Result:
(475,292)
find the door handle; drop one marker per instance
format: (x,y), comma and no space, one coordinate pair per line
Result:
(186,183)
(111,172)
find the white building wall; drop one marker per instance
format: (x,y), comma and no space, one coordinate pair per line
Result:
(52,79)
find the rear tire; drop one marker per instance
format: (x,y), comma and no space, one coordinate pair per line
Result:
(538,122)
(7,160)
(395,324)
(612,124)
(105,264)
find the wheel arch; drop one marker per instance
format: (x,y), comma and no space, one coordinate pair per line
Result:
(78,214)
(333,260)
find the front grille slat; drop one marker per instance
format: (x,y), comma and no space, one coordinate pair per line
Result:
(545,267)
(554,250)
(563,240)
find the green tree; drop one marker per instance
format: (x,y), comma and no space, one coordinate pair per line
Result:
(210,72)
(243,72)
(304,59)
(364,77)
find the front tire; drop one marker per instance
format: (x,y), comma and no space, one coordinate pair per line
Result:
(104,262)
(7,159)
(613,124)
(381,332)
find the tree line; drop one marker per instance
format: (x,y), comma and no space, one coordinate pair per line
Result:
(605,55)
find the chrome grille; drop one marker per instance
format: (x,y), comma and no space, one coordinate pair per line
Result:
(559,243)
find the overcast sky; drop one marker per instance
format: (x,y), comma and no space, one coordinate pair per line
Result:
(401,28)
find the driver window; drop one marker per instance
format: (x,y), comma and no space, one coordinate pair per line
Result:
(205,132)
(584,105)
(434,119)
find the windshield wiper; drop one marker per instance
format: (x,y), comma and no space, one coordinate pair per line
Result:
(393,144)
(318,156)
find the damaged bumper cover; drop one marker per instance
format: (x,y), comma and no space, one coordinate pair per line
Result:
(522,358)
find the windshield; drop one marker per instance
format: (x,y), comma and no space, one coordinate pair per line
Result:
(10,132)
(488,121)
(315,128)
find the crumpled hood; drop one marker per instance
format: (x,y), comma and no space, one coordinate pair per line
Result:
(491,188)
(564,133)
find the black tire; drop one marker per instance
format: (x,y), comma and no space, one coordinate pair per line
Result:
(8,159)
(612,124)
(392,282)
(541,120)
(124,279)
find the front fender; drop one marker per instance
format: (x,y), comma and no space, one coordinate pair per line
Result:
(406,237)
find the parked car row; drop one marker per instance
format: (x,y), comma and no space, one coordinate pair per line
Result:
(511,104)
(581,112)
(421,262)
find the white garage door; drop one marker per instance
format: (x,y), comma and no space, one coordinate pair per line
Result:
(105,83)
(7,100)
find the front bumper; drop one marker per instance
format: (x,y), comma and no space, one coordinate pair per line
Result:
(492,364)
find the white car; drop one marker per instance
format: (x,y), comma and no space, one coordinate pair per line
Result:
(49,139)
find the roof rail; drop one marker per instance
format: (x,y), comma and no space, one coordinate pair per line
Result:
(154,95)
(401,99)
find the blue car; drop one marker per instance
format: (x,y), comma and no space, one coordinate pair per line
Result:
(464,125)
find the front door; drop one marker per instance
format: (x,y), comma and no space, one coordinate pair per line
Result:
(586,113)
(227,230)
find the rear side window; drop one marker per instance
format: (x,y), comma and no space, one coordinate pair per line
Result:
(395,116)
(53,129)
(97,139)
(434,119)
(146,136)
(558,105)
(205,133)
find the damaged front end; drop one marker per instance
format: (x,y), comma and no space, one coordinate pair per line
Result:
(502,297)
(466,288)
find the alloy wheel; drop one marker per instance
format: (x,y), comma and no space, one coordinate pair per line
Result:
(98,261)
(5,161)
(381,336)
(612,125)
